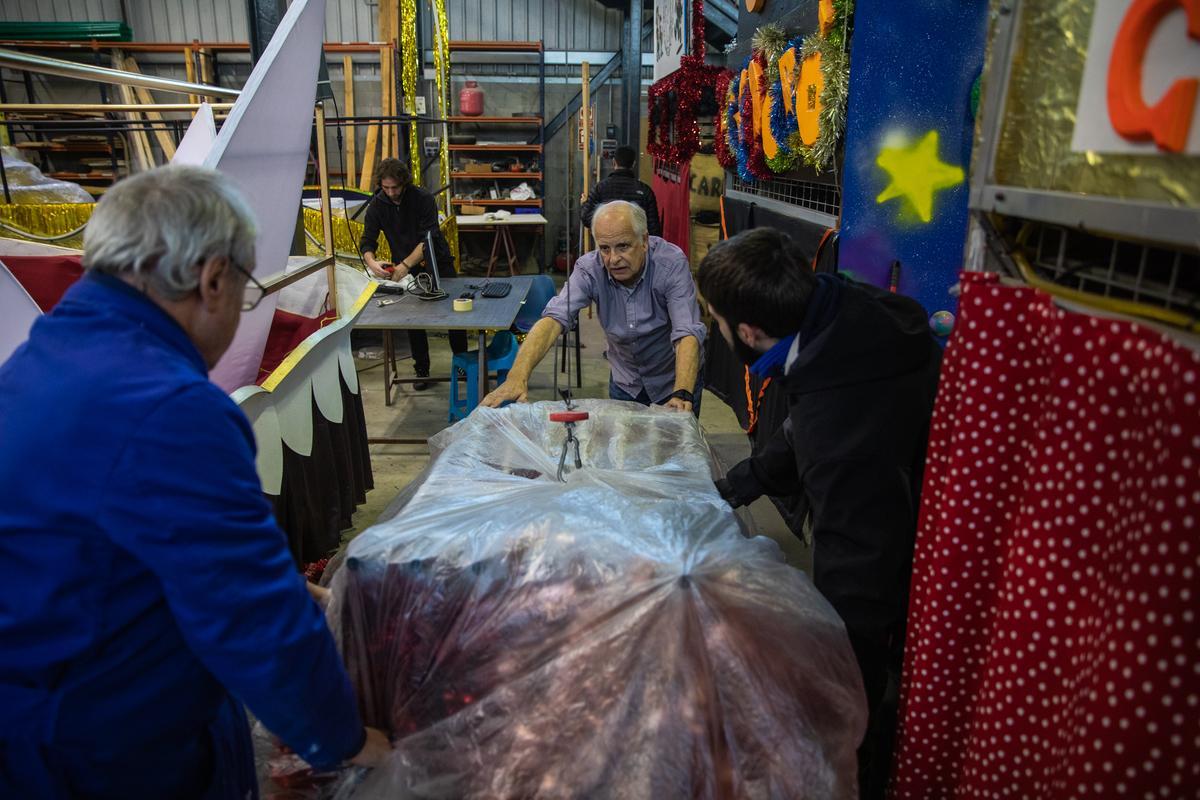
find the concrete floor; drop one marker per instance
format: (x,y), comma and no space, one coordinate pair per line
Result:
(422,414)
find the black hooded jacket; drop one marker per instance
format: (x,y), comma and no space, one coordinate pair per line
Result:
(622,184)
(404,225)
(860,397)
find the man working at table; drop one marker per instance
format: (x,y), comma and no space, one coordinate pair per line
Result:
(646,298)
(404,213)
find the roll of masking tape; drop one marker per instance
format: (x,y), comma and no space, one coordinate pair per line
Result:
(463,304)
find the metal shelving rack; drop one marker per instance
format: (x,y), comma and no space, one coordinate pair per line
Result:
(537,144)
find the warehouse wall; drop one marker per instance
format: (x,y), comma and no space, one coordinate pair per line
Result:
(560,24)
(577,26)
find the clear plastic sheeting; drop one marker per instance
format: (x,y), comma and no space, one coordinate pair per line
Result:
(614,635)
(27,185)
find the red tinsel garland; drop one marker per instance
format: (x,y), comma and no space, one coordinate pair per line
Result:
(698,30)
(687,83)
(756,161)
(725,156)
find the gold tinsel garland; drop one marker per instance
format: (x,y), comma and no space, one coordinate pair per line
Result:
(441,63)
(408,80)
(54,219)
(346,234)
(47,219)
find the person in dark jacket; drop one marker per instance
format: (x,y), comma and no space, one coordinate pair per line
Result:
(860,369)
(150,593)
(404,213)
(622,184)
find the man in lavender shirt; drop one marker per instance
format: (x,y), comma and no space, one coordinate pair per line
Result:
(647,304)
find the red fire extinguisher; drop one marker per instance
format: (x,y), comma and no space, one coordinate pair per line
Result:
(470,100)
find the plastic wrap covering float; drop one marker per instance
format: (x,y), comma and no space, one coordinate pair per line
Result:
(27,185)
(614,635)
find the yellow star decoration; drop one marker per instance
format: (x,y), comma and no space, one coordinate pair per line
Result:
(917,173)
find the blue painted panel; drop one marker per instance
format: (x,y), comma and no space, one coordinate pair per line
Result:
(912,67)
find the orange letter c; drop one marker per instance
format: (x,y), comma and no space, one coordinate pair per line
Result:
(1168,122)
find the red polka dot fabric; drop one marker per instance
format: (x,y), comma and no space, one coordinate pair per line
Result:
(1053,642)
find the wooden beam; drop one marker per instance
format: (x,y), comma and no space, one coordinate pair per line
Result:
(281,280)
(206,66)
(326,212)
(352,139)
(386,85)
(165,142)
(585,123)
(137,140)
(368,167)
(389,20)
(189,64)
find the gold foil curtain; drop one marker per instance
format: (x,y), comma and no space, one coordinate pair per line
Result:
(46,219)
(346,234)
(441,63)
(54,219)
(1034,150)
(410,61)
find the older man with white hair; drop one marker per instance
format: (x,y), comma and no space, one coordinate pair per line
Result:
(148,593)
(643,288)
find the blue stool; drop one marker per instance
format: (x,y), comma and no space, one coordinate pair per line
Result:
(541,290)
(501,353)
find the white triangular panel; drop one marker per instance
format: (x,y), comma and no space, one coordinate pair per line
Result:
(199,139)
(263,147)
(18,312)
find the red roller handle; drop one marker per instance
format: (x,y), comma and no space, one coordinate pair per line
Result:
(568,416)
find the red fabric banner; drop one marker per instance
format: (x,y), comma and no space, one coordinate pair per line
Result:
(674,205)
(1053,641)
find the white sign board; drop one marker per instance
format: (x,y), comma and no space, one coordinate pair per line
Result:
(671,25)
(1170,56)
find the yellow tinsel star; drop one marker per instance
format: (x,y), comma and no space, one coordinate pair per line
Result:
(917,173)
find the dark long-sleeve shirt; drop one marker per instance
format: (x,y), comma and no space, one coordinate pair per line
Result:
(622,184)
(860,396)
(404,225)
(147,584)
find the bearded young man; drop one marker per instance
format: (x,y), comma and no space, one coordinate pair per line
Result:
(860,369)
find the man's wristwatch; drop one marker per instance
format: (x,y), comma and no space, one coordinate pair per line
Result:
(683,394)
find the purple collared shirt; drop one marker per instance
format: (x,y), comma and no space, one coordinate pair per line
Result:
(642,323)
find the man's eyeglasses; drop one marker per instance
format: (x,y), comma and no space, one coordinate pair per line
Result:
(254,291)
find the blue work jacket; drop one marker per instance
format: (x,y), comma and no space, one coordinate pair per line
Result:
(146,591)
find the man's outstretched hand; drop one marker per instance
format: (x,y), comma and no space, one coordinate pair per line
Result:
(374,751)
(728,494)
(678,404)
(509,391)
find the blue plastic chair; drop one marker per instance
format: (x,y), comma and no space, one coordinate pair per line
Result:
(535,302)
(501,353)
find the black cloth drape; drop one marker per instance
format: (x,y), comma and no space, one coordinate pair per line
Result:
(726,376)
(320,491)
